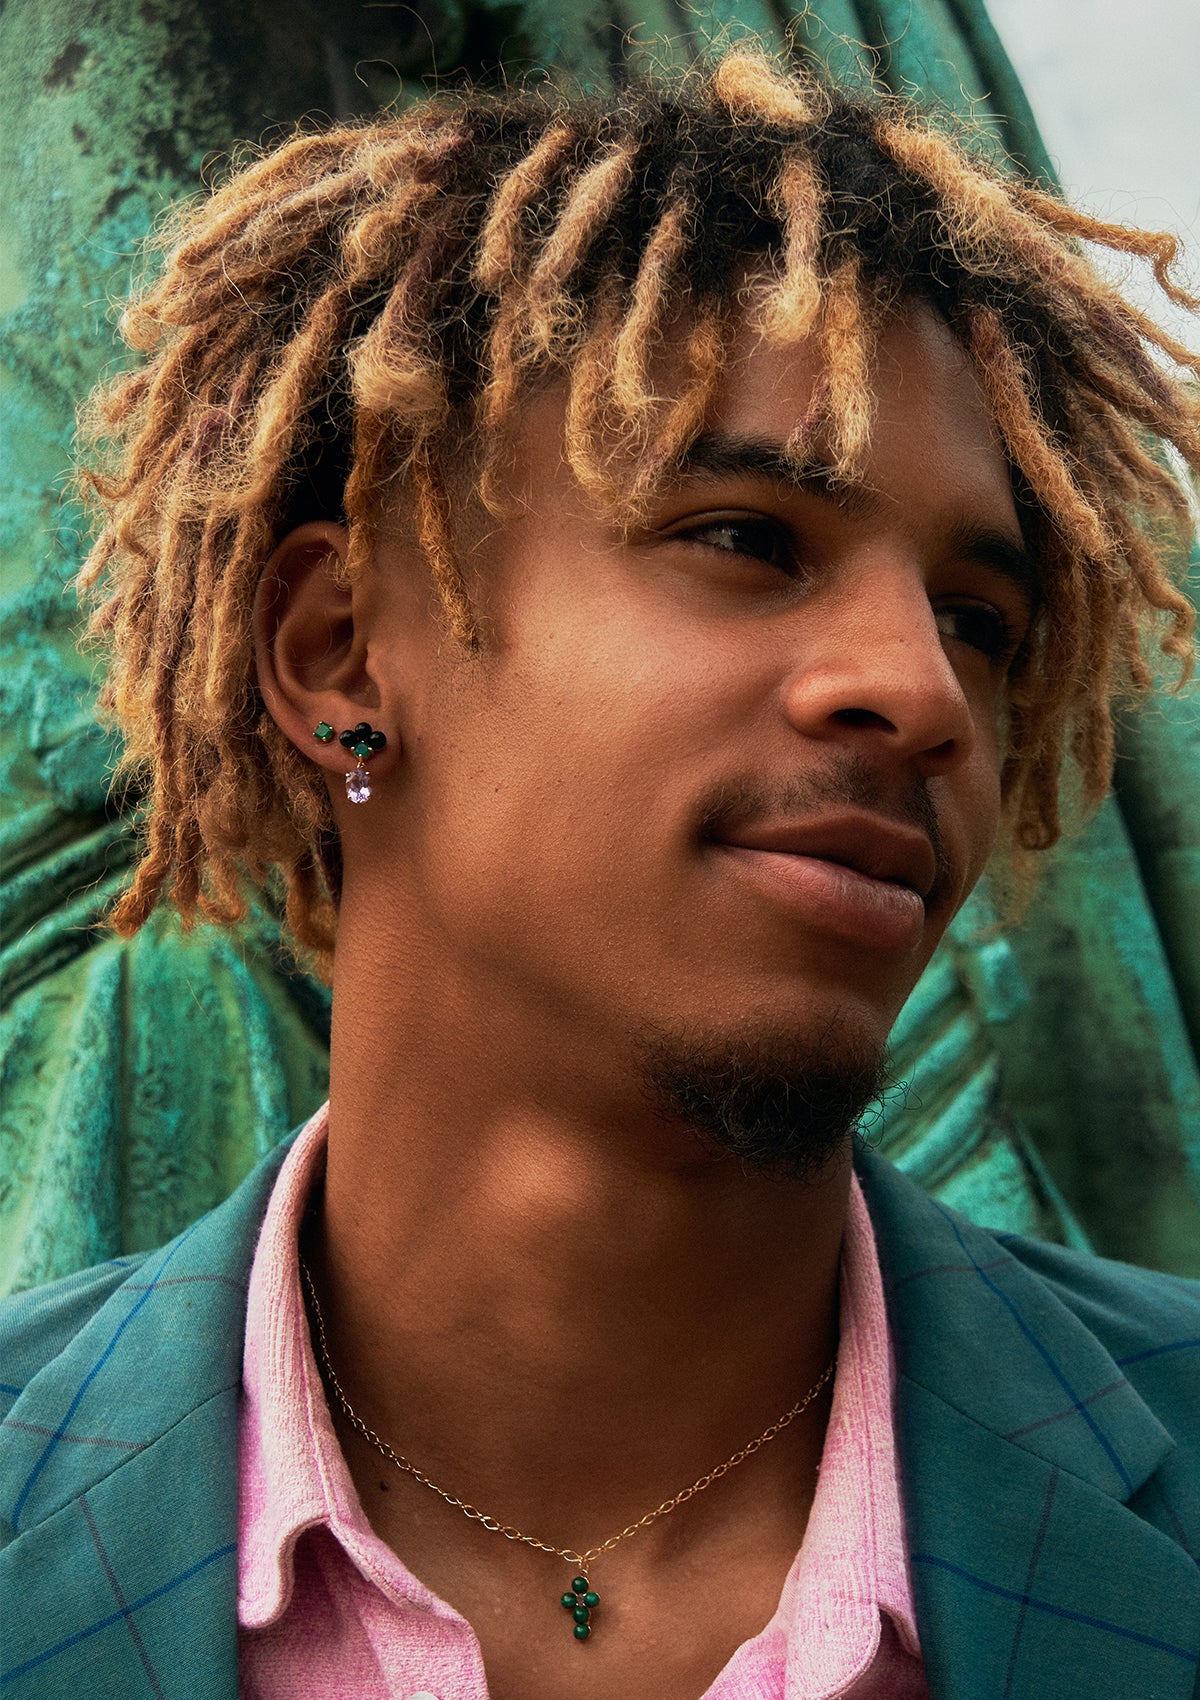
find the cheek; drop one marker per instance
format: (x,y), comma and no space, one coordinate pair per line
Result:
(564,774)
(979,808)
(531,782)
(968,800)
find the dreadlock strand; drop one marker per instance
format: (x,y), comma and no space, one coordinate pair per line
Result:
(308,911)
(500,258)
(395,367)
(1144,327)
(424,144)
(495,407)
(374,245)
(1158,246)
(287,397)
(282,408)
(134,906)
(1157,591)
(502,266)
(751,88)
(587,399)
(187,890)
(1010,394)
(987,221)
(432,516)
(1136,550)
(1128,472)
(590,203)
(638,336)
(408,173)
(196,233)
(685,416)
(985,227)
(846,337)
(790,309)
(369,472)
(283,232)
(1127,398)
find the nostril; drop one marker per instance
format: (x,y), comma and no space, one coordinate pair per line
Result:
(863,717)
(943,754)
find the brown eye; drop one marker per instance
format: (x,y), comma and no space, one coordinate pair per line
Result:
(758,539)
(981,626)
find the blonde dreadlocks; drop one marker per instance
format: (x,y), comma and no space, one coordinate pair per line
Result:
(355,311)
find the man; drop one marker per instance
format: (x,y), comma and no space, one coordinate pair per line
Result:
(624,565)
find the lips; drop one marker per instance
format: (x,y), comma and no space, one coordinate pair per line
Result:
(857,876)
(867,843)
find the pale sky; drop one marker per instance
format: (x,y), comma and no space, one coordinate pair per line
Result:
(1115,87)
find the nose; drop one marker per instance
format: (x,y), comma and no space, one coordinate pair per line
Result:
(872,672)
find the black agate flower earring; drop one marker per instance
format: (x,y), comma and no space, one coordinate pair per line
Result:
(363,742)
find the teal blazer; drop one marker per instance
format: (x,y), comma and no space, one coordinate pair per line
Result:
(1048,1420)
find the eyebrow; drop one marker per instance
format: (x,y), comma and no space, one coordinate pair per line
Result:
(717,454)
(986,547)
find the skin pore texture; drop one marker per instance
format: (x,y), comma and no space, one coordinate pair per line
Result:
(601,877)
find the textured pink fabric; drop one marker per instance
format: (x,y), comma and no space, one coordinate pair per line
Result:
(325,1609)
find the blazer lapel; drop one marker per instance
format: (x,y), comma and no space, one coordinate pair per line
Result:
(119,1479)
(1021,1442)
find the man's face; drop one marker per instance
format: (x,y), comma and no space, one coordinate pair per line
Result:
(721,784)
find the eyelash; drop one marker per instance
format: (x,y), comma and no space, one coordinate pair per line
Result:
(981,625)
(780,549)
(992,635)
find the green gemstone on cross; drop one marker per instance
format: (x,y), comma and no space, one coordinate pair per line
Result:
(579,1602)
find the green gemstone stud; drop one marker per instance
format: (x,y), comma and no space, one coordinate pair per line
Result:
(323,733)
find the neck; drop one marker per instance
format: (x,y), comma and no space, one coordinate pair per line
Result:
(518,1261)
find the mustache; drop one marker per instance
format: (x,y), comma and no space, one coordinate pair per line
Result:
(848,780)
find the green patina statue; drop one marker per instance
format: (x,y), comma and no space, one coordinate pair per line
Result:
(1049,1080)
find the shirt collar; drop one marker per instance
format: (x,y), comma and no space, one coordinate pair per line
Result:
(292,1474)
(853,1564)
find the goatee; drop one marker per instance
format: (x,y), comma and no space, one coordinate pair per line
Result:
(783,1106)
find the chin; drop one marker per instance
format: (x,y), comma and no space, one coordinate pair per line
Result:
(782,1099)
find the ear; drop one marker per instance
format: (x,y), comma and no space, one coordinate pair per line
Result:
(310,656)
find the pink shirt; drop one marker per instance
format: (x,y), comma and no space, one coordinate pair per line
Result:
(326,1610)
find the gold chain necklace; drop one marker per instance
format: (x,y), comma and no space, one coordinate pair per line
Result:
(582,1600)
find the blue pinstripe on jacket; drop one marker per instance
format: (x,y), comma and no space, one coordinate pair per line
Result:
(1049,1430)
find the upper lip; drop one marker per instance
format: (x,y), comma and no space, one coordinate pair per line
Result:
(872,844)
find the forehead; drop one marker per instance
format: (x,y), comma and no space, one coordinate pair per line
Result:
(935,467)
(931,424)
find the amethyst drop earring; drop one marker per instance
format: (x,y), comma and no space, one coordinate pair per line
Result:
(363,742)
